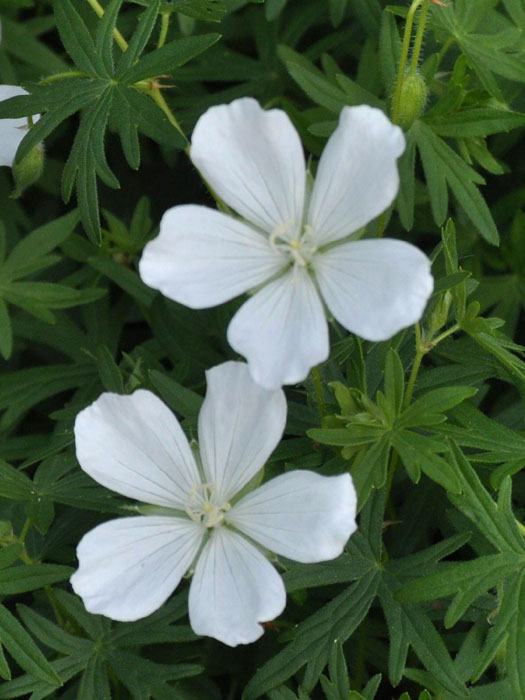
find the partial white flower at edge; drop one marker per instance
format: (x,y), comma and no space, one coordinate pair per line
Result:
(135,446)
(12,131)
(295,248)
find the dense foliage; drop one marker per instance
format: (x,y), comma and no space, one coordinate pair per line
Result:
(428,600)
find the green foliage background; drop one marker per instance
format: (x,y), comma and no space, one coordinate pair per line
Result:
(428,601)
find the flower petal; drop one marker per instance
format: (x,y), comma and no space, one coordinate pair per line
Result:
(301,515)
(202,257)
(129,567)
(281,330)
(135,446)
(12,131)
(234,588)
(357,177)
(253,159)
(374,288)
(240,424)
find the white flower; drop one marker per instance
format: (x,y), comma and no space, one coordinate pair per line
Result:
(135,446)
(12,131)
(290,246)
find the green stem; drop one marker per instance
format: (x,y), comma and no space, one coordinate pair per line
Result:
(24,556)
(446,46)
(318,388)
(164,27)
(363,365)
(159,100)
(99,10)
(405,49)
(420,353)
(420,33)
(25,529)
(453,329)
(394,461)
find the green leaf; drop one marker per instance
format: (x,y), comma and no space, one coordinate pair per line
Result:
(170,56)
(108,371)
(6,332)
(314,637)
(31,577)
(140,37)
(466,580)
(475,122)
(508,626)
(87,160)
(337,11)
(77,39)
(95,682)
(407,167)
(181,400)
(23,650)
(433,403)
(481,509)
(444,166)
(394,381)
(14,484)
(9,554)
(418,453)
(104,38)
(38,243)
(410,627)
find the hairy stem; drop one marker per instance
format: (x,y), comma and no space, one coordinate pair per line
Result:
(405,50)
(99,10)
(420,33)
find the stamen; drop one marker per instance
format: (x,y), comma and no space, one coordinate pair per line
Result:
(201,507)
(300,249)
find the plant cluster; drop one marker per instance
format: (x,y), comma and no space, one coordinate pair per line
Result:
(427,601)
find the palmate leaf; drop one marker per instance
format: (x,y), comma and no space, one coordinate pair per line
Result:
(444,169)
(466,581)
(508,628)
(313,642)
(106,93)
(101,649)
(30,255)
(317,639)
(390,426)
(24,650)
(490,55)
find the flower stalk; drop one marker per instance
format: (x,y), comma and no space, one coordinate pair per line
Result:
(405,50)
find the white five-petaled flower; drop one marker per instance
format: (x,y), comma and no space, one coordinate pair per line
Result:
(134,445)
(292,246)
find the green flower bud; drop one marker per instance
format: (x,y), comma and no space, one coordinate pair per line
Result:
(439,315)
(28,171)
(412,100)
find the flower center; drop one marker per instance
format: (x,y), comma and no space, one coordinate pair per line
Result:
(299,249)
(203,508)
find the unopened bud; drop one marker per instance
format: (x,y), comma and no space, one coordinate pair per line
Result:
(28,171)
(439,315)
(413,99)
